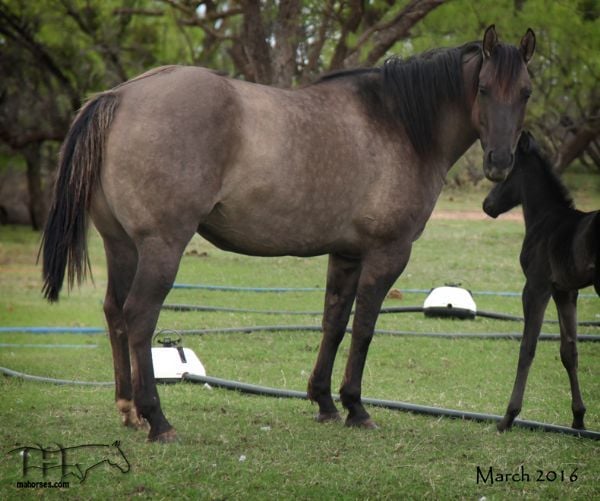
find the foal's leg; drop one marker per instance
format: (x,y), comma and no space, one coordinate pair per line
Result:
(121,258)
(158,261)
(566,304)
(534,306)
(342,280)
(379,272)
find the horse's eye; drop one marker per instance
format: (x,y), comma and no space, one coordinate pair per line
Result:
(526,93)
(483,91)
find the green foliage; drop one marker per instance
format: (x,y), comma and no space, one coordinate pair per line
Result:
(566,65)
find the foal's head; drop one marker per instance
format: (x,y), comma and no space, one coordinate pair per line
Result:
(499,108)
(508,194)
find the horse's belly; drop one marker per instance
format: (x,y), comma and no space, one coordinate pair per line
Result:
(276,235)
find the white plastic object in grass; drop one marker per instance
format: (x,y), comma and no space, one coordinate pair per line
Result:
(450,301)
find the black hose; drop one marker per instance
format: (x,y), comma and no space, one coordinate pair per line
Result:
(390,404)
(315,328)
(385,310)
(227,309)
(280,393)
(233,288)
(39,379)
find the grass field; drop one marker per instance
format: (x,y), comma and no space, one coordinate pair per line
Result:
(233,446)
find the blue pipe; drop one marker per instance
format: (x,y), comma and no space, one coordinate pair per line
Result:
(304,328)
(54,330)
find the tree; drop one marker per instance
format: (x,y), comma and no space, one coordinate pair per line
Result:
(564,109)
(47,75)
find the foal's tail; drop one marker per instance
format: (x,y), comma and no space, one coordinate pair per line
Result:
(81,156)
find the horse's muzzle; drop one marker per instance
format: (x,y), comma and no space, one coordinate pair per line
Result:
(497,164)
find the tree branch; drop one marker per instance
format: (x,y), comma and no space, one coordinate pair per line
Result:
(385,35)
(11,27)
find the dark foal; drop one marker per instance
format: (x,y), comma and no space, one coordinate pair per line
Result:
(350,166)
(560,255)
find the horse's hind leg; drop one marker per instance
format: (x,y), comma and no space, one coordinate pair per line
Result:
(534,306)
(342,280)
(121,259)
(158,261)
(566,304)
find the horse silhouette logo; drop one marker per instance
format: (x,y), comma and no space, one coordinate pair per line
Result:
(76,461)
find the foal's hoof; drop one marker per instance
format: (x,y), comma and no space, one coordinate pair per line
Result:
(167,437)
(328,417)
(504,425)
(367,424)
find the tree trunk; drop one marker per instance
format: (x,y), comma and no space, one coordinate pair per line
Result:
(286,42)
(254,41)
(37,205)
(576,145)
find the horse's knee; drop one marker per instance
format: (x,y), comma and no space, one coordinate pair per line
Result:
(569,355)
(112,311)
(526,356)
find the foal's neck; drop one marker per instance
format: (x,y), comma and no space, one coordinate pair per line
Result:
(542,192)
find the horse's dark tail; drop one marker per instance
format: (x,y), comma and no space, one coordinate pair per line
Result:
(64,241)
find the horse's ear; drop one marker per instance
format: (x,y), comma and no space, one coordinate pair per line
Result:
(525,141)
(490,40)
(527,47)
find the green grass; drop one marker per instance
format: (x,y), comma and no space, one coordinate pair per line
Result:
(286,453)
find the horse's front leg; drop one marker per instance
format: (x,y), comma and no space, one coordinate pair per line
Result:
(379,271)
(566,304)
(535,301)
(342,280)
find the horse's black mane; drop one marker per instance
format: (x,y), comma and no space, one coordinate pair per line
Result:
(528,148)
(410,92)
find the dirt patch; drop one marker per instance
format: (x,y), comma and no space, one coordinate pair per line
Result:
(474,215)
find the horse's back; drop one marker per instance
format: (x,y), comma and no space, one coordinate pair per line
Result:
(256,169)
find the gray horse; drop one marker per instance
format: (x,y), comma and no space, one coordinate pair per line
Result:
(350,166)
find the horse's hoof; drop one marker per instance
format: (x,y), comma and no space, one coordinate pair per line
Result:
(328,417)
(130,417)
(167,437)
(134,422)
(367,424)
